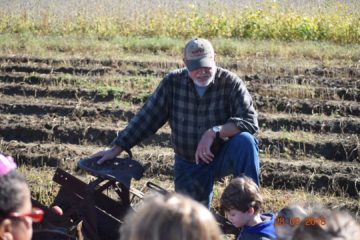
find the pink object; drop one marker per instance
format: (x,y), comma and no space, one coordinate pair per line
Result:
(6,164)
(57,210)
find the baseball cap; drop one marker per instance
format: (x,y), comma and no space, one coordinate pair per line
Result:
(199,53)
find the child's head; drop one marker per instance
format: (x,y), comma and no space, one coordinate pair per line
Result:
(287,220)
(328,225)
(172,216)
(15,202)
(241,200)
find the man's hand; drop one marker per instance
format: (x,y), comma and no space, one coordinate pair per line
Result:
(108,154)
(203,152)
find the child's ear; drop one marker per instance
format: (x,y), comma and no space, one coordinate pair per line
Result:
(5,230)
(251,211)
(7,236)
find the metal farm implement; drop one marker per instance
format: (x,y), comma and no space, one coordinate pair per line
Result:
(87,210)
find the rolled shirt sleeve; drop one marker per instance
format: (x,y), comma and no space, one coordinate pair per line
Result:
(243,113)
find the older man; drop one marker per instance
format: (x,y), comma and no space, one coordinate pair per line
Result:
(212,119)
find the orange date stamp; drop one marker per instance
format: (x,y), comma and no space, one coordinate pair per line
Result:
(308,221)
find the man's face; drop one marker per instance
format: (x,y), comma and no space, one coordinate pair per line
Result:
(238,218)
(202,77)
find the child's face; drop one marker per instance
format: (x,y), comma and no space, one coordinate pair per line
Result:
(238,218)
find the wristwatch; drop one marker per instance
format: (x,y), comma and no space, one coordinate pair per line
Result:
(216,130)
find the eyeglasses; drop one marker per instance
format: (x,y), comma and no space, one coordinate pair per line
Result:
(36,215)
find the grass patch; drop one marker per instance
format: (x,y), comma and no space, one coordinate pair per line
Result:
(290,91)
(43,189)
(253,54)
(298,136)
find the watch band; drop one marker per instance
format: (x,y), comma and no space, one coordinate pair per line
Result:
(217,134)
(217,130)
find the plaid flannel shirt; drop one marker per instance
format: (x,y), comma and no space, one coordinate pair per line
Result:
(175,100)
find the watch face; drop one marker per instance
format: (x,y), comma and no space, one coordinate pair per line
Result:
(216,129)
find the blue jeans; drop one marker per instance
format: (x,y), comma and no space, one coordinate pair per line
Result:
(239,155)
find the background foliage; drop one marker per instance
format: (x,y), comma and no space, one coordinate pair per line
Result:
(334,21)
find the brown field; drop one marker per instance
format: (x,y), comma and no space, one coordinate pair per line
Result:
(54,112)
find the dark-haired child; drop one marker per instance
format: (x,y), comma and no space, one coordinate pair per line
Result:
(16,212)
(241,201)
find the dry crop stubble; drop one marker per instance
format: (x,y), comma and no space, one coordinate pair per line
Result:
(278,63)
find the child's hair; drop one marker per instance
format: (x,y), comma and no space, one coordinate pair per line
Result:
(287,220)
(11,193)
(11,187)
(171,216)
(241,194)
(329,225)
(289,213)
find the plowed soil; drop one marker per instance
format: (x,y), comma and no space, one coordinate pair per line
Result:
(54,112)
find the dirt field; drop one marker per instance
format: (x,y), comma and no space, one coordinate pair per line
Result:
(310,121)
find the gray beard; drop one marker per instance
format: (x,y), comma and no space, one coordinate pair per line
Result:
(211,78)
(204,84)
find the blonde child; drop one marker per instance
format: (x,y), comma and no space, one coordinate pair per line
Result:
(172,216)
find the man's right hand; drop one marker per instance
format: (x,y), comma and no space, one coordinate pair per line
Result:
(108,154)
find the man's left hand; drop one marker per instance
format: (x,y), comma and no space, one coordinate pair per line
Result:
(203,151)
